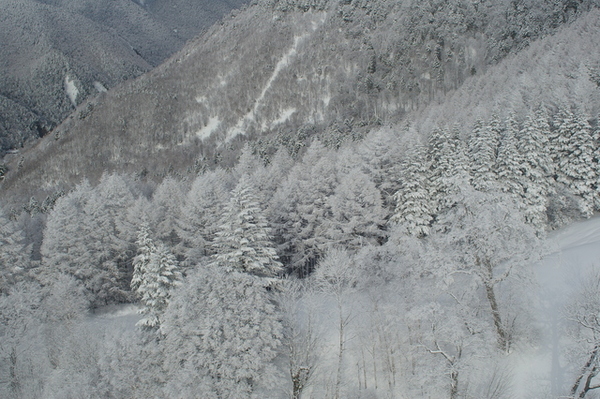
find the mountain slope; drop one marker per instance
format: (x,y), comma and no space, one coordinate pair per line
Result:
(282,71)
(57,53)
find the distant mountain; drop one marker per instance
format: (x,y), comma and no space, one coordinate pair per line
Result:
(282,71)
(56,53)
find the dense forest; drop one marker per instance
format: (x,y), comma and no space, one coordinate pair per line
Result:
(388,238)
(416,253)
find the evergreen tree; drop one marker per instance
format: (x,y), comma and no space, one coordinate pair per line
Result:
(483,145)
(413,200)
(165,209)
(14,253)
(509,162)
(357,212)
(244,240)
(300,208)
(222,333)
(448,163)
(381,158)
(155,274)
(536,168)
(201,212)
(575,159)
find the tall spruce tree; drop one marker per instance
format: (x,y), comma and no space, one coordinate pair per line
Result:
(509,162)
(14,253)
(483,145)
(243,242)
(575,158)
(537,168)
(155,274)
(414,208)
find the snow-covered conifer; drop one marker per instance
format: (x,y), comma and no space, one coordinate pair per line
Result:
(509,161)
(536,168)
(201,212)
(300,208)
(222,333)
(14,254)
(414,207)
(357,212)
(155,274)
(575,163)
(243,242)
(483,145)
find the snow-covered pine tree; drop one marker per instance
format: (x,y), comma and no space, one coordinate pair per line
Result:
(200,213)
(357,212)
(155,274)
(509,161)
(164,213)
(381,159)
(14,254)
(536,167)
(222,333)
(300,208)
(483,144)
(414,208)
(575,164)
(106,239)
(65,248)
(448,162)
(243,242)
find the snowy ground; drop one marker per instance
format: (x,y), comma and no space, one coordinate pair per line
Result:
(573,253)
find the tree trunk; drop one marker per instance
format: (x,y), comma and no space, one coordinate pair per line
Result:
(588,375)
(453,384)
(15,385)
(341,326)
(503,339)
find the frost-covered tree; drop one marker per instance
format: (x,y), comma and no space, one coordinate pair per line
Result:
(449,167)
(509,163)
(86,237)
(14,253)
(537,168)
(575,149)
(155,274)
(300,208)
(222,333)
(483,146)
(201,212)
(357,212)
(164,212)
(23,364)
(64,249)
(243,242)
(106,241)
(584,351)
(337,275)
(486,238)
(414,208)
(381,160)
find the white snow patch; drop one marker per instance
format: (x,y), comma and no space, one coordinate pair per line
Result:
(71,89)
(100,88)
(202,100)
(283,63)
(284,116)
(210,128)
